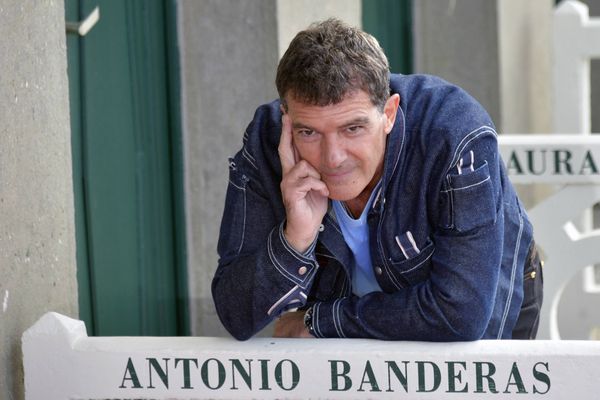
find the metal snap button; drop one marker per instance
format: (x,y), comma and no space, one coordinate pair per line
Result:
(378,271)
(302,270)
(321,228)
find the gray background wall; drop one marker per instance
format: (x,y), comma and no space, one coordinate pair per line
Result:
(37,240)
(229,54)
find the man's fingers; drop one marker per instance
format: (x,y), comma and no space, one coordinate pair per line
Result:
(286,148)
(309,183)
(303,169)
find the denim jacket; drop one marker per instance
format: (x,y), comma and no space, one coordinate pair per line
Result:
(444,187)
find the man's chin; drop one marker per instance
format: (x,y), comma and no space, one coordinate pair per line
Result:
(342,195)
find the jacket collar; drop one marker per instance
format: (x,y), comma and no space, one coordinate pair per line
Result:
(393,151)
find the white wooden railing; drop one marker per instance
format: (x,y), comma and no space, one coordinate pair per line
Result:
(62,362)
(576,41)
(571,165)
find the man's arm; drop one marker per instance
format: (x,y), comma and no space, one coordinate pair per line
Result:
(264,269)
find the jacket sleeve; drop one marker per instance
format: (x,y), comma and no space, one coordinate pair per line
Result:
(259,275)
(456,301)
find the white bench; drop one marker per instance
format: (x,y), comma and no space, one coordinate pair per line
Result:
(62,362)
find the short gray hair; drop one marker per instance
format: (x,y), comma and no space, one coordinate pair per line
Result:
(329,60)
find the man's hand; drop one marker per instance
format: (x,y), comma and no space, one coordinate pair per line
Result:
(291,325)
(304,193)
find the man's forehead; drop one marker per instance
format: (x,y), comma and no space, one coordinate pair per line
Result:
(358,99)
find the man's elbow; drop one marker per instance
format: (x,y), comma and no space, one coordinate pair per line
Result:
(471,323)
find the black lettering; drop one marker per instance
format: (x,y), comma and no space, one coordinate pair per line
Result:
(455,377)
(129,369)
(564,160)
(264,371)
(392,366)
(588,163)
(515,380)
(513,163)
(437,376)
(245,374)
(370,379)
(187,381)
(335,375)
(541,377)
(479,376)
(204,371)
(162,374)
(279,374)
(531,162)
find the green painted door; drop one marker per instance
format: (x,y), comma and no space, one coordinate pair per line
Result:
(127,168)
(390,21)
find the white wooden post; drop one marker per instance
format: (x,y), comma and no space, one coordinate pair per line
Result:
(61,362)
(576,41)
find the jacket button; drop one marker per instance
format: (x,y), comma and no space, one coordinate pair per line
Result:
(302,270)
(378,271)
(321,228)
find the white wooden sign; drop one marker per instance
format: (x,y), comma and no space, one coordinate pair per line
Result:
(569,159)
(62,362)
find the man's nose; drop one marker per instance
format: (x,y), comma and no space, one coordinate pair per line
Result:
(334,153)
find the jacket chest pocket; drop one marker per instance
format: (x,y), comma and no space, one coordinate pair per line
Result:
(413,270)
(468,202)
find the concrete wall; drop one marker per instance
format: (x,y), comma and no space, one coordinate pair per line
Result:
(499,51)
(294,16)
(229,53)
(37,240)
(457,40)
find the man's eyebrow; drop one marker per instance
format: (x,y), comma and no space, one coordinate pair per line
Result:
(357,121)
(300,125)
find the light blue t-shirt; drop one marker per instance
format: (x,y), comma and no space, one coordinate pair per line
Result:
(356,235)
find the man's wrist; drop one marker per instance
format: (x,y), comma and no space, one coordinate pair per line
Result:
(300,245)
(308,321)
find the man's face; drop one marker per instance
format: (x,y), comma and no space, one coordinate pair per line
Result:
(344,142)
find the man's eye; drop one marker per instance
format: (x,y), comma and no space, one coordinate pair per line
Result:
(354,128)
(306,133)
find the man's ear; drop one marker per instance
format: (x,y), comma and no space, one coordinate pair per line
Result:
(390,110)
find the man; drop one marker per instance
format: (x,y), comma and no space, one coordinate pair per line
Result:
(368,205)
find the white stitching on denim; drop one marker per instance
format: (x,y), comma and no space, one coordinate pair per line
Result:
(334,319)
(419,264)
(282,299)
(477,136)
(466,187)
(512,278)
(337,319)
(248,157)
(239,187)
(315,321)
(402,138)
(460,146)
(276,263)
(289,247)
(243,225)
